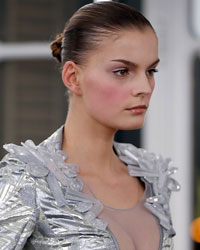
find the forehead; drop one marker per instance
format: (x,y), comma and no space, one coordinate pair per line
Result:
(134,45)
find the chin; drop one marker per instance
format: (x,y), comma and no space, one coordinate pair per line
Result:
(131,126)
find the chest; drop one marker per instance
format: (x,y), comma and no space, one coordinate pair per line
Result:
(122,193)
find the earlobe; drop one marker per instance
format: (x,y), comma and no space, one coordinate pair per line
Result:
(70,77)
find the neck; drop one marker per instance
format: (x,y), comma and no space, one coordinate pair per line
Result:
(88,144)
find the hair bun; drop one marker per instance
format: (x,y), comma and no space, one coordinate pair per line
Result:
(56,47)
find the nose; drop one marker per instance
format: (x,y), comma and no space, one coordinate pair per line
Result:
(143,85)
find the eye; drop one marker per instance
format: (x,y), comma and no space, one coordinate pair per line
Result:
(121,72)
(151,72)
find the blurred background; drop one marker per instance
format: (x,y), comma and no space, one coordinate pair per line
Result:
(33,102)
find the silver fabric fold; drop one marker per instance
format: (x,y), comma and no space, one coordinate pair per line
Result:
(158,172)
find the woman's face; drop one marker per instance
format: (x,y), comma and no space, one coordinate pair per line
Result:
(117,80)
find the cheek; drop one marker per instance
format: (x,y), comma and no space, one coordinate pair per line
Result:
(112,94)
(105,96)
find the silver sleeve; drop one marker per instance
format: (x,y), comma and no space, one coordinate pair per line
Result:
(17,205)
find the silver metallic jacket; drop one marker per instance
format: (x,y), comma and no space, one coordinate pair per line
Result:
(42,206)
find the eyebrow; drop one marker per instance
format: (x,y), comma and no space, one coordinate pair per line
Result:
(134,64)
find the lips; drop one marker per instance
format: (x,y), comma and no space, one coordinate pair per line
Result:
(140,109)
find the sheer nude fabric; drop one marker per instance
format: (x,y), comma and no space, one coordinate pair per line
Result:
(134,228)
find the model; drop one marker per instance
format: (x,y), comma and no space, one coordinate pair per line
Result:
(79,189)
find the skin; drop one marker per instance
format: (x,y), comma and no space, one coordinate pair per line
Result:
(104,90)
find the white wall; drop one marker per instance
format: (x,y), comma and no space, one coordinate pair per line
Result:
(24,50)
(169,123)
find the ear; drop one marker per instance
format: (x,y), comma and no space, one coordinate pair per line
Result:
(70,77)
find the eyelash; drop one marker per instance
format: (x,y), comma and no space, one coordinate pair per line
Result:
(121,72)
(125,71)
(151,72)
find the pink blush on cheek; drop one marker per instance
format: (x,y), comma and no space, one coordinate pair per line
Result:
(113,93)
(110,99)
(105,98)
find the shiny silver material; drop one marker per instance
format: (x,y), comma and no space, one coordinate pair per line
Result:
(42,206)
